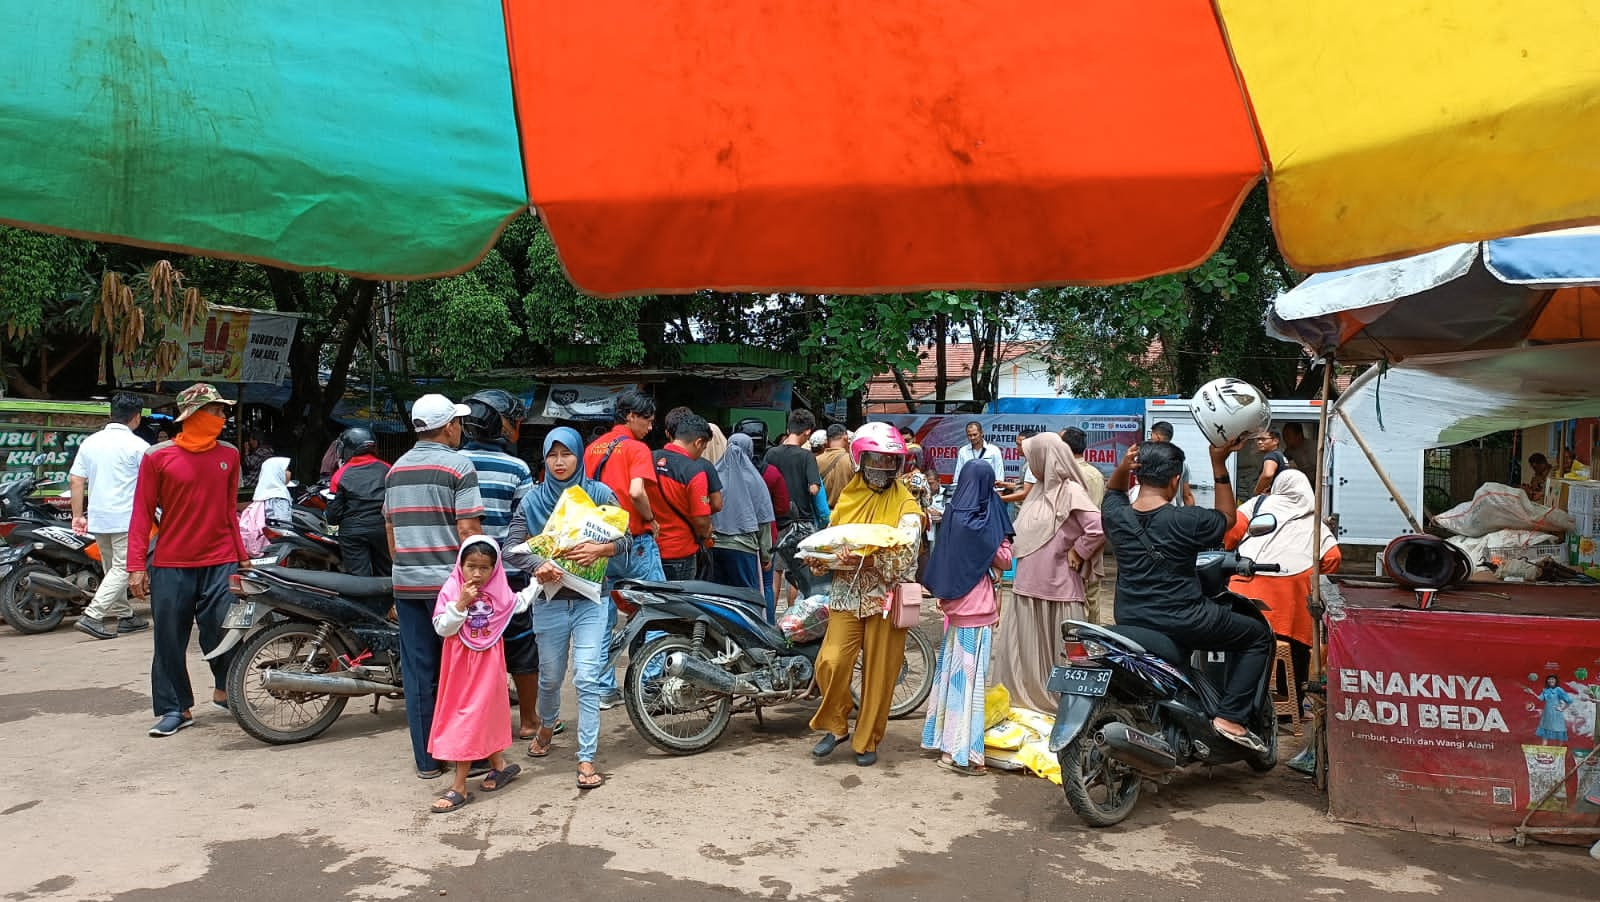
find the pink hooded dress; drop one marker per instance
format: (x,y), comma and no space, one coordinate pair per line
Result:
(472,714)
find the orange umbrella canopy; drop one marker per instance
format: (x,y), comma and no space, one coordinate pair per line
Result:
(797,144)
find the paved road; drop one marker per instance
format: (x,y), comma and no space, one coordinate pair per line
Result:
(93,809)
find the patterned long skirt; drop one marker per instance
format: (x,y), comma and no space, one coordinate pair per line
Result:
(955,709)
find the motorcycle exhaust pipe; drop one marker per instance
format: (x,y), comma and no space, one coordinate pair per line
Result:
(1146,754)
(708,676)
(322,684)
(52,586)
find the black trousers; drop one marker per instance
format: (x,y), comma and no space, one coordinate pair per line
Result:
(181,599)
(1249,642)
(365,553)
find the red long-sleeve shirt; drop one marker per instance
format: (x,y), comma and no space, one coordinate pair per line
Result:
(197,494)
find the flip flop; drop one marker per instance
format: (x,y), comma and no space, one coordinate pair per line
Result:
(456,800)
(501,778)
(600,780)
(537,749)
(966,770)
(1247,739)
(557,730)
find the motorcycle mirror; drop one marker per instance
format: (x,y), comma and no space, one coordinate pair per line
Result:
(1261,524)
(40,459)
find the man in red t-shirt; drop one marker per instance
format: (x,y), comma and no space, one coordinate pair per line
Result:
(194,480)
(621,460)
(681,498)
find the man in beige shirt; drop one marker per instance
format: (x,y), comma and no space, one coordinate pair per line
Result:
(1078,441)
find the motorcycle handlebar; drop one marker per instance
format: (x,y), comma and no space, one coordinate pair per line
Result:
(1268,568)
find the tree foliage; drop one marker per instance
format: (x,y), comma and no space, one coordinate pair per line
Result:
(1172,333)
(462,324)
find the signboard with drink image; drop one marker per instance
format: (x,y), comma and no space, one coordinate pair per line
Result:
(230,345)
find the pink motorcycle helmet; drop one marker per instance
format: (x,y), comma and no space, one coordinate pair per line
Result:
(880,438)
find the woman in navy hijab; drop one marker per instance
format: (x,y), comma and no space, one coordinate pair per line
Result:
(973,548)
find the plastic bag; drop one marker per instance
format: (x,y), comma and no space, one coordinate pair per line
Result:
(576,520)
(1495,506)
(996,705)
(805,620)
(825,546)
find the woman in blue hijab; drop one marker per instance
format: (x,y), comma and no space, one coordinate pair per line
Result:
(743,528)
(973,547)
(568,621)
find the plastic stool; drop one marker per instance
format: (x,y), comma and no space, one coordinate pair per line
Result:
(1283,687)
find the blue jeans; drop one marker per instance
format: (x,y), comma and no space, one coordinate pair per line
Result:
(580,625)
(644,562)
(182,598)
(420,648)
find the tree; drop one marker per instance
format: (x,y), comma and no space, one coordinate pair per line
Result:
(462,324)
(1172,333)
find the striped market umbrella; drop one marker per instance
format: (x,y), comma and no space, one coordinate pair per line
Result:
(843,145)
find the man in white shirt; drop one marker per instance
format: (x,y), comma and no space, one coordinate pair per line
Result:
(107,467)
(978,449)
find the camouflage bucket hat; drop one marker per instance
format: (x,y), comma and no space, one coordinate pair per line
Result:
(197,396)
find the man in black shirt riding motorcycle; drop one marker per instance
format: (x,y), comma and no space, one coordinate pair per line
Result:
(1155,543)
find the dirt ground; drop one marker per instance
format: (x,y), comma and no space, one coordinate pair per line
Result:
(94,809)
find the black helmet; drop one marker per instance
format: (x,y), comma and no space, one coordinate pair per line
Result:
(1421,561)
(489,409)
(757,430)
(356,440)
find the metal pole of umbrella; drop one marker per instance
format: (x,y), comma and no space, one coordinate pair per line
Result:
(1319,639)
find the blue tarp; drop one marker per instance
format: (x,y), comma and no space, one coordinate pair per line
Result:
(1083,407)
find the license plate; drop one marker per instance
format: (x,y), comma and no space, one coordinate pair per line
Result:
(241,616)
(1079,680)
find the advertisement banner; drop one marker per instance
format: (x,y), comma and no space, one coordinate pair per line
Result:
(229,345)
(583,402)
(1457,724)
(41,452)
(751,394)
(943,436)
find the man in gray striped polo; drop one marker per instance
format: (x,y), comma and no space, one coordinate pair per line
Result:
(430,506)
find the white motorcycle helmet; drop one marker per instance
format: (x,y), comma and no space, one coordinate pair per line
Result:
(1227,409)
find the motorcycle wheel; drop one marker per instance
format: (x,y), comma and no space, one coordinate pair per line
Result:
(655,701)
(1100,791)
(915,682)
(1268,732)
(293,717)
(30,612)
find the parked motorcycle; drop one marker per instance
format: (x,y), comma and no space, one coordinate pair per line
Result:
(1136,706)
(695,648)
(312,640)
(46,570)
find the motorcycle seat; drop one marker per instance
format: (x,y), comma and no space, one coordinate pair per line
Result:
(701,587)
(340,583)
(1158,644)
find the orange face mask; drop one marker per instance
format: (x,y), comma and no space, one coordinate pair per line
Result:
(200,432)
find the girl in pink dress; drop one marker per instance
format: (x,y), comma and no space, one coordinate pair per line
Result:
(472,717)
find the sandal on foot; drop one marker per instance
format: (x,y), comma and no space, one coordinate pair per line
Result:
(598,778)
(500,778)
(1247,739)
(456,800)
(537,749)
(963,769)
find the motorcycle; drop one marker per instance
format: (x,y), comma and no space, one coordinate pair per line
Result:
(1135,706)
(694,648)
(306,541)
(46,569)
(311,641)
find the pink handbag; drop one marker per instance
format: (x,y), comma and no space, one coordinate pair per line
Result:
(905,606)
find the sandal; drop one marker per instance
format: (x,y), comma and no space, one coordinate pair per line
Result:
(1247,739)
(541,749)
(501,778)
(598,778)
(434,774)
(967,770)
(456,800)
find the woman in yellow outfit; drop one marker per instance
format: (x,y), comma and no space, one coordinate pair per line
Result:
(860,596)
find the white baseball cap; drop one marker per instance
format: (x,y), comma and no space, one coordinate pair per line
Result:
(431,412)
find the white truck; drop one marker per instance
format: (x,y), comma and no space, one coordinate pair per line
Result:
(1366,514)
